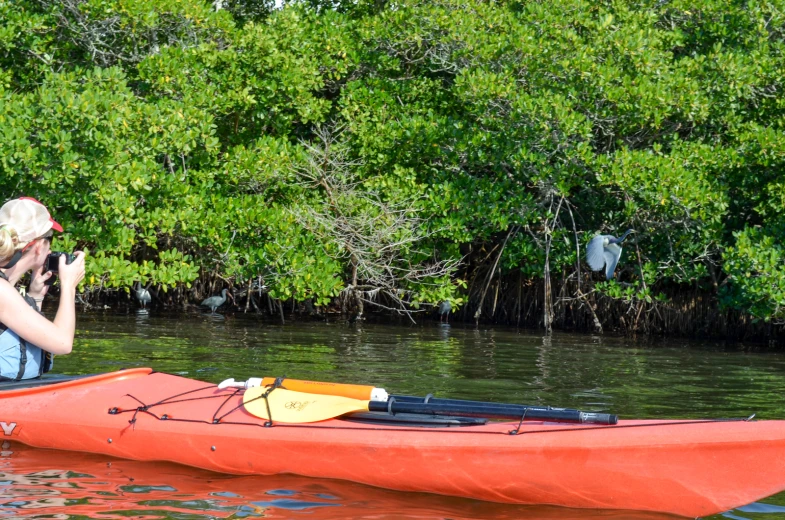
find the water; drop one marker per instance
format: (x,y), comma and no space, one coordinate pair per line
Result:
(642,379)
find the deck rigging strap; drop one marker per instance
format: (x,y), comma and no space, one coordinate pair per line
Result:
(517,430)
(219,420)
(269,422)
(145,408)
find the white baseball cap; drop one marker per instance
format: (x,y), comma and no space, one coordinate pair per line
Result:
(28,217)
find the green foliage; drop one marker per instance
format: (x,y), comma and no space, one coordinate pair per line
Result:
(169,136)
(756,273)
(244,11)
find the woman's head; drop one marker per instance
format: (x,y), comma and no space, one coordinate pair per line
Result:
(22,222)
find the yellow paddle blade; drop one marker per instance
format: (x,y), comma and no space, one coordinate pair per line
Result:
(299,407)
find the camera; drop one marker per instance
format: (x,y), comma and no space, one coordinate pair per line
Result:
(53,260)
(53,263)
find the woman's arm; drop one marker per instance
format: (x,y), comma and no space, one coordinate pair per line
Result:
(56,337)
(17,315)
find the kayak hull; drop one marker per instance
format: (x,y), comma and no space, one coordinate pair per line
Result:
(688,468)
(55,484)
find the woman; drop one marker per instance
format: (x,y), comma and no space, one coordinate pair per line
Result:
(29,340)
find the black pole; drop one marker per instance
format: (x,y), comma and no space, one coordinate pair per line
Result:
(455,407)
(436,400)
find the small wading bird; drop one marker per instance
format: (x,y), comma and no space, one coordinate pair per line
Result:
(214,301)
(605,251)
(444,311)
(142,294)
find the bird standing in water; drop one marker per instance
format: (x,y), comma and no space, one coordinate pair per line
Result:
(444,311)
(142,294)
(605,251)
(214,301)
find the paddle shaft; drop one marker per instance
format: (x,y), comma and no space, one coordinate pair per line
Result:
(455,407)
(439,400)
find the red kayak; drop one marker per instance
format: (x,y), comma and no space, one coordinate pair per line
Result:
(689,468)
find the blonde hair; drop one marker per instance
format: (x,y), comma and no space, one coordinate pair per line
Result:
(9,242)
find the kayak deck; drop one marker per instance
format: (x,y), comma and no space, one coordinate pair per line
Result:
(689,468)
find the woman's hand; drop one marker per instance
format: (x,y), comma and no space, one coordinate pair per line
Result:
(73,273)
(38,287)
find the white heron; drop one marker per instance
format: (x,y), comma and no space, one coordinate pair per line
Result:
(143,295)
(444,311)
(605,251)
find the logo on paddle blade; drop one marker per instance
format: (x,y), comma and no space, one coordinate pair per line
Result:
(297,406)
(8,428)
